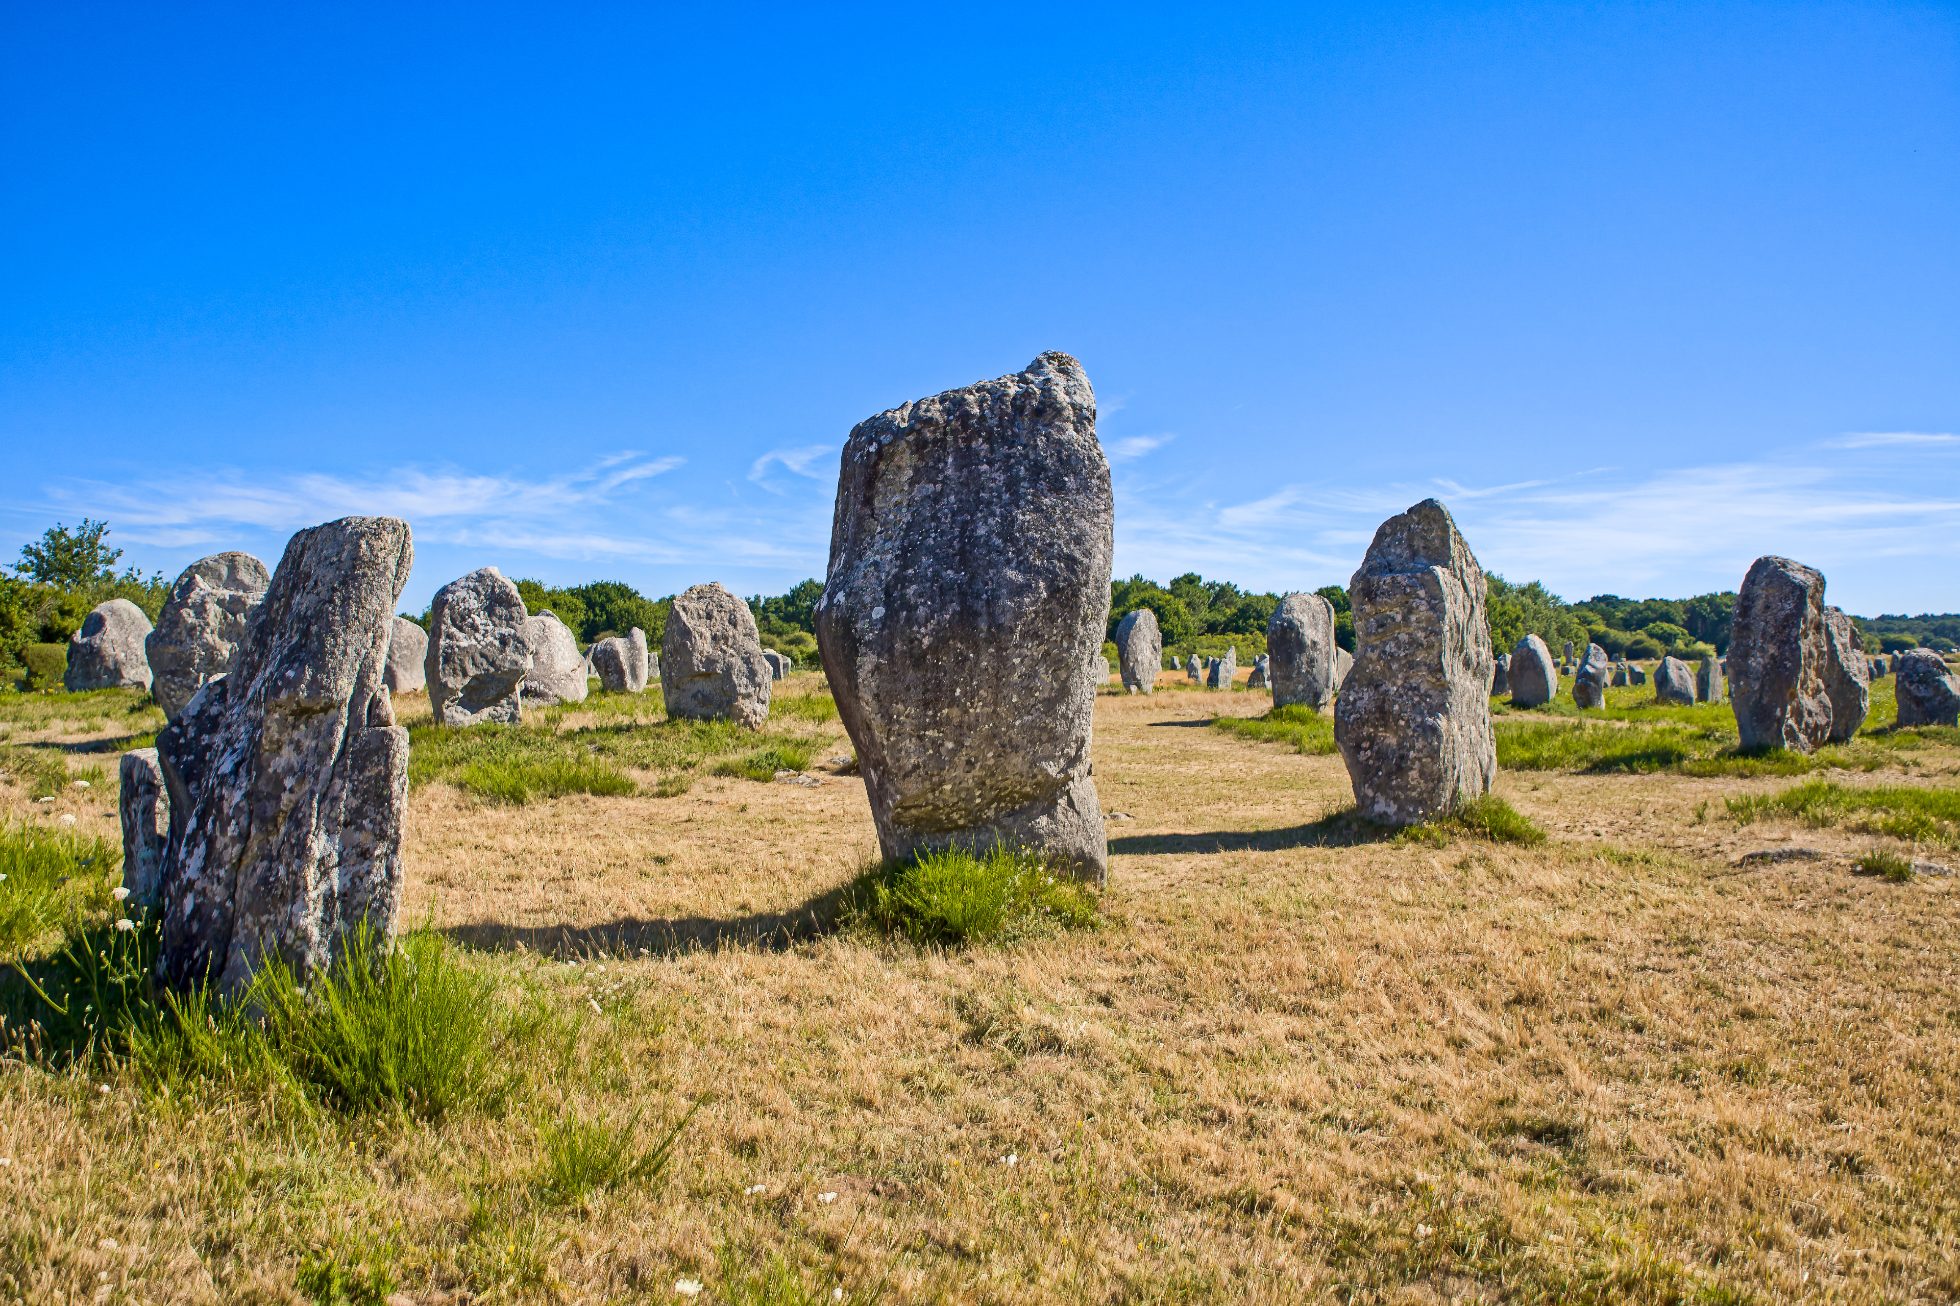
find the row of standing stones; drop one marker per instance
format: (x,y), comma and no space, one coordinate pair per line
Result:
(269,817)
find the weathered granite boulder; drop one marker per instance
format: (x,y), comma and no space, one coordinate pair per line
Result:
(619,670)
(1880,667)
(1710,686)
(1500,676)
(200,624)
(1589,681)
(778,664)
(107,652)
(1674,684)
(967,523)
(1343,663)
(645,667)
(1847,681)
(1300,641)
(1776,657)
(712,656)
(1261,674)
(288,777)
(1929,694)
(144,804)
(1622,675)
(408,650)
(1193,669)
(1534,680)
(1413,719)
(1223,670)
(1568,653)
(478,652)
(1140,650)
(557,673)
(1636,674)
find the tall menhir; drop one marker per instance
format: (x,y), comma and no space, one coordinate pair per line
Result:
(968,586)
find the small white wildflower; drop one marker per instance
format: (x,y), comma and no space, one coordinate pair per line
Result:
(755,1190)
(837,1294)
(1010,1160)
(688,1287)
(119,893)
(66,818)
(597,1010)
(48,799)
(125,925)
(5,1161)
(1423,1231)
(81,784)
(826,1198)
(108,1245)
(102,1089)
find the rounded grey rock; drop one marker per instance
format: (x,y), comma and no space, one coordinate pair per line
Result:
(1223,671)
(1776,657)
(1500,676)
(1674,684)
(478,652)
(711,656)
(201,623)
(408,648)
(1589,681)
(1300,641)
(1534,679)
(1139,650)
(557,673)
(1929,694)
(108,651)
(1847,680)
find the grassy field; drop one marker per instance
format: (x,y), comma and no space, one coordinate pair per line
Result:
(1578,1047)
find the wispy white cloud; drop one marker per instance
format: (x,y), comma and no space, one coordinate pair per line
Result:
(800,461)
(1131,447)
(1882,439)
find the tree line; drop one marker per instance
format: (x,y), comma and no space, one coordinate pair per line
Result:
(46,595)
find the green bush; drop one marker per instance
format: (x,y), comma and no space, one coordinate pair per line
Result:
(46,665)
(1894,867)
(957,896)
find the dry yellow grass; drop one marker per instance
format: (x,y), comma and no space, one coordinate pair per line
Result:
(1616,1067)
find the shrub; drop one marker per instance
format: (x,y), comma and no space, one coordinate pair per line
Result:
(957,896)
(45,664)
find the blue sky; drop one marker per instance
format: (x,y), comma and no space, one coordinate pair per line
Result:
(1642,291)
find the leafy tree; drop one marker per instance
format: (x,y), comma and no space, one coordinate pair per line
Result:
(1251,616)
(75,559)
(1708,618)
(562,604)
(1174,620)
(1897,643)
(1669,636)
(613,607)
(1643,645)
(1337,597)
(1515,611)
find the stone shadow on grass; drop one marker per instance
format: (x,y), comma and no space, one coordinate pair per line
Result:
(1343,829)
(669,937)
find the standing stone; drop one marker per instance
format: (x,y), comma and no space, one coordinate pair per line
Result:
(1343,663)
(713,659)
(1568,653)
(1636,674)
(200,624)
(1929,694)
(1776,657)
(478,652)
(1847,682)
(144,804)
(967,523)
(107,652)
(1192,669)
(557,673)
(1413,720)
(779,664)
(1674,684)
(1261,677)
(618,670)
(645,667)
(1224,670)
(288,777)
(1300,641)
(1139,650)
(1709,684)
(1622,675)
(1589,681)
(1534,680)
(1500,677)
(408,649)
(1880,668)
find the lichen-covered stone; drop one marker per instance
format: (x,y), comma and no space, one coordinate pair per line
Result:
(711,657)
(557,673)
(1139,650)
(1776,657)
(288,777)
(1674,684)
(1710,686)
(408,649)
(619,670)
(1262,670)
(1589,680)
(1929,694)
(1223,670)
(200,625)
(1343,663)
(108,651)
(144,804)
(779,665)
(479,653)
(1847,681)
(970,523)
(1534,678)
(1300,641)
(1413,719)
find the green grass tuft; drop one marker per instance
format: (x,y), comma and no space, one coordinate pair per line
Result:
(582,1157)
(1883,862)
(51,880)
(956,896)
(1296,724)
(517,782)
(816,708)
(1914,812)
(763,763)
(1488,817)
